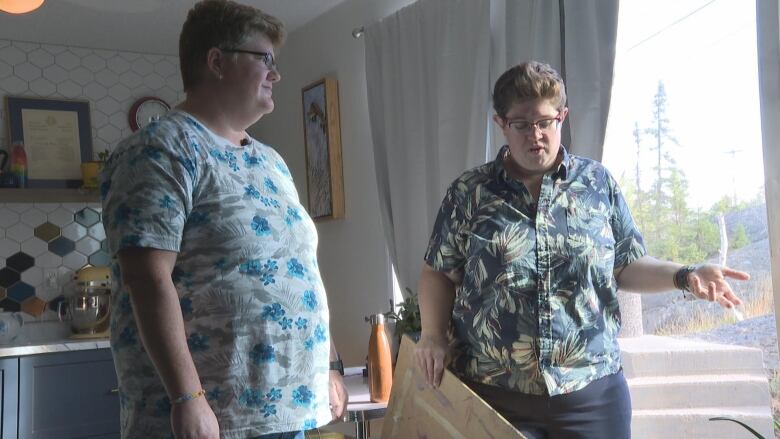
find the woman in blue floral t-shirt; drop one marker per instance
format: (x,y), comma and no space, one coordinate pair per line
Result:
(220,323)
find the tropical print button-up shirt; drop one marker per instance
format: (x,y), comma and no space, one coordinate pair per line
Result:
(536,311)
(253,303)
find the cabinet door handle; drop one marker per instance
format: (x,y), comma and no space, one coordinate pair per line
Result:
(114,391)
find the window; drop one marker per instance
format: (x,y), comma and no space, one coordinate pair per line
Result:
(684,140)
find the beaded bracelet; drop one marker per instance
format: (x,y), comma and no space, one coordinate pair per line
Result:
(189,396)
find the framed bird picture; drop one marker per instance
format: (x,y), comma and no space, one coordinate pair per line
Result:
(322,140)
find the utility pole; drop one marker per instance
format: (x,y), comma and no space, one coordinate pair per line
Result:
(638,177)
(733,153)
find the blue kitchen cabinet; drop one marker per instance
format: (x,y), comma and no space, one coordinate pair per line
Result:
(9,396)
(68,395)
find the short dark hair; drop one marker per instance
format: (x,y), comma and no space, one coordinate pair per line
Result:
(221,24)
(527,81)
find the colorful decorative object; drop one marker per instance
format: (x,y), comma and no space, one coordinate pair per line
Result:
(90,171)
(18,166)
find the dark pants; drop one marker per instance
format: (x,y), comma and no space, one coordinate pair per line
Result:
(600,410)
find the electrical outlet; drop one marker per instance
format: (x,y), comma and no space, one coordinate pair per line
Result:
(50,278)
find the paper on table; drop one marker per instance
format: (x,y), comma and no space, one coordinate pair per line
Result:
(738,314)
(350,371)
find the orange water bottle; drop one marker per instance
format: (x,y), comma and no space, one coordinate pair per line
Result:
(380,367)
(18,167)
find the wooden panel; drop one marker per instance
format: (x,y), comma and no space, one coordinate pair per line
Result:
(452,411)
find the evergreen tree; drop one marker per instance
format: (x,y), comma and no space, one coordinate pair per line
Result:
(722,206)
(662,135)
(638,206)
(671,229)
(706,236)
(740,238)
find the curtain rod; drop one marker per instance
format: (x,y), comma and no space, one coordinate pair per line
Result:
(358,32)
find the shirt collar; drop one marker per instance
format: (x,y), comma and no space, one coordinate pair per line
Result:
(501,174)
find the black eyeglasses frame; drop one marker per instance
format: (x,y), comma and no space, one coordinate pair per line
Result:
(268,57)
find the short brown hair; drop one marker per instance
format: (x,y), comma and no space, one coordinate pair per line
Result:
(222,24)
(527,81)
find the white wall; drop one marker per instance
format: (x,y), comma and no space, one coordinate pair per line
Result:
(352,252)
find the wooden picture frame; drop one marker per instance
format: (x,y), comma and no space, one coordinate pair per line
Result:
(322,143)
(57,137)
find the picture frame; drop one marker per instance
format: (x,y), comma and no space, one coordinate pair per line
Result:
(57,137)
(322,144)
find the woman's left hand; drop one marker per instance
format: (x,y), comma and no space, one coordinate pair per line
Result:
(708,281)
(338,396)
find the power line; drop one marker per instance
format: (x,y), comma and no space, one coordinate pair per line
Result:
(670,25)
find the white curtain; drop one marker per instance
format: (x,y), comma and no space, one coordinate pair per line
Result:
(427,79)
(577,38)
(430,69)
(768,25)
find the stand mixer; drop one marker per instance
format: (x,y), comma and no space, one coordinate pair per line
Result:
(87,302)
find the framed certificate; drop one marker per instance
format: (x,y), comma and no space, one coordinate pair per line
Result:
(57,138)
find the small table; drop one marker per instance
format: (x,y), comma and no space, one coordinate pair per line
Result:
(360,409)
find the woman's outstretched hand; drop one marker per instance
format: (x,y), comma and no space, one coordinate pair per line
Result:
(708,281)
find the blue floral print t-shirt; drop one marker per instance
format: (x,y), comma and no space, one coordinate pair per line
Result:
(254,306)
(536,311)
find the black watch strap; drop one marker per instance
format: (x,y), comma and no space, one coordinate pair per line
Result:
(681,278)
(337,365)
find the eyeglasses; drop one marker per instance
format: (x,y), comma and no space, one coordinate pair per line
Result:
(523,126)
(267,57)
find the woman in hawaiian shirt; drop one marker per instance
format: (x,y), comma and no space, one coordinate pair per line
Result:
(524,263)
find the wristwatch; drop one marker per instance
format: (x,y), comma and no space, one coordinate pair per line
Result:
(337,365)
(680,279)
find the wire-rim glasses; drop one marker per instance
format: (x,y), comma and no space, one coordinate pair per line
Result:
(267,57)
(523,126)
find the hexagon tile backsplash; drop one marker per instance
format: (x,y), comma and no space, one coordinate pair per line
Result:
(110,80)
(41,245)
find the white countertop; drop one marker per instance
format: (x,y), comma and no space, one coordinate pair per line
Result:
(62,345)
(360,405)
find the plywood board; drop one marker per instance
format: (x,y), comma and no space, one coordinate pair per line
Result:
(453,411)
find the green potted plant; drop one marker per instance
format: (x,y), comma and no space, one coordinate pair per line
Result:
(91,169)
(406,317)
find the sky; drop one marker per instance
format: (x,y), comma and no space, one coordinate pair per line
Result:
(704,51)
